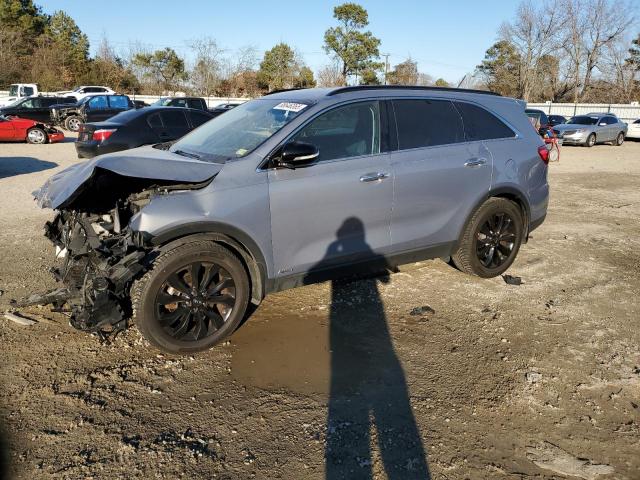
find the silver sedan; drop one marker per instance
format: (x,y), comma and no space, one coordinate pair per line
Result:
(590,129)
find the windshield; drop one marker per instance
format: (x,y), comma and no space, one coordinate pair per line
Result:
(583,120)
(239,131)
(13,90)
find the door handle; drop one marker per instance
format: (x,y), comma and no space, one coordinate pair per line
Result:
(476,162)
(373,177)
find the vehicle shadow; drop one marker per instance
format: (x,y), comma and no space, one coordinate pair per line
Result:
(368,390)
(11,166)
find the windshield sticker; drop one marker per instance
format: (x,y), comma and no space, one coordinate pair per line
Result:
(290,107)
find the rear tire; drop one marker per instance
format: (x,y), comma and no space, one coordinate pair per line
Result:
(72,123)
(591,141)
(491,239)
(619,139)
(178,315)
(37,136)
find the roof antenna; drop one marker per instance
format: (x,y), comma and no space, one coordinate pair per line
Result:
(463,79)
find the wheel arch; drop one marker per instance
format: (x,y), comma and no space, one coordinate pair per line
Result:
(510,193)
(231,237)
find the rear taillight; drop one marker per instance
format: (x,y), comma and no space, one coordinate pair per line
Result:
(543,151)
(103,134)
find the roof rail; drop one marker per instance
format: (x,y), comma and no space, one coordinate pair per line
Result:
(282,90)
(407,87)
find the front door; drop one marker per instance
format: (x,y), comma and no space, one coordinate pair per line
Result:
(338,210)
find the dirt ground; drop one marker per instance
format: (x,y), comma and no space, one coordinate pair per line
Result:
(427,371)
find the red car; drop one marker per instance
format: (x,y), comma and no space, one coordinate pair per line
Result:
(15,129)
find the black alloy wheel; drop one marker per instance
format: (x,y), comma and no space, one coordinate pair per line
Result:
(495,240)
(195,301)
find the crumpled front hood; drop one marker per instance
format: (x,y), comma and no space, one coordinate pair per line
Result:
(139,163)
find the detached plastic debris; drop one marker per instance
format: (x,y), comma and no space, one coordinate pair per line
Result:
(19,319)
(422,310)
(510,280)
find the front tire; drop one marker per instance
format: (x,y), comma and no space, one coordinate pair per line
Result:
(491,239)
(195,296)
(37,135)
(591,141)
(72,123)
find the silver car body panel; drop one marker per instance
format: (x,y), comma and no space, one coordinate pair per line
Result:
(291,216)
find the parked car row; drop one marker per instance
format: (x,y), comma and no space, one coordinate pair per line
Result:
(586,130)
(135,128)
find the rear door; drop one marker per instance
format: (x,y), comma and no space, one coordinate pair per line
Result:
(439,175)
(197,103)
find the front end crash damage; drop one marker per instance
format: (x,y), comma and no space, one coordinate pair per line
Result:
(98,254)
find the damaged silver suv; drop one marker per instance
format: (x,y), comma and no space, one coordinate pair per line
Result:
(289,189)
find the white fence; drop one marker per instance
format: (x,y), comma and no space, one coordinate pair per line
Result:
(211,101)
(625,112)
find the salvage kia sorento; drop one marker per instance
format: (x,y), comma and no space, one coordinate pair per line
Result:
(290,189)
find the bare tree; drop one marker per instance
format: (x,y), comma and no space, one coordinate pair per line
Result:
(207,70)
(330,76)
(534,33)
(605,24)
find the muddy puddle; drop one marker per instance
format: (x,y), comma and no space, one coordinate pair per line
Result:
(283,353)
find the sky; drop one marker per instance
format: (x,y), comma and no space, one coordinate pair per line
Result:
(447,38)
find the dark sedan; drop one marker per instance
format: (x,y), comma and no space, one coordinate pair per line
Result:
(556,120)
(135,128)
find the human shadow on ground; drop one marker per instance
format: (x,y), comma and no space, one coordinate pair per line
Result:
(12,166)
(368,387)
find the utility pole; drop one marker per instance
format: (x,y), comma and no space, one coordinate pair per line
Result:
(386,66)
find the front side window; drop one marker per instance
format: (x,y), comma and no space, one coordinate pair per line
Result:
(427,123)
(116,101)
(28,104)
(28,91)
(198,118)
(348,131)
(98,103)
(239,131)
(479,124)
(173,119)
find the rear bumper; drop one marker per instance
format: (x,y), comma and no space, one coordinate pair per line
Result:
(87,149)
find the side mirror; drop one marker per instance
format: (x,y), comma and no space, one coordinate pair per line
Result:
(297,154)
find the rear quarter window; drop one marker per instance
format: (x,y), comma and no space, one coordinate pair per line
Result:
(479,124)
(427,123)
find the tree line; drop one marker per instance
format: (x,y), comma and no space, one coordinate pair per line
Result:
(560,50)
(566,51)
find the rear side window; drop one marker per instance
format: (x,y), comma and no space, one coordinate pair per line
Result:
(479,124)
(154,121)
(116,101)
(427,123)
(173,118)
(198,118)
